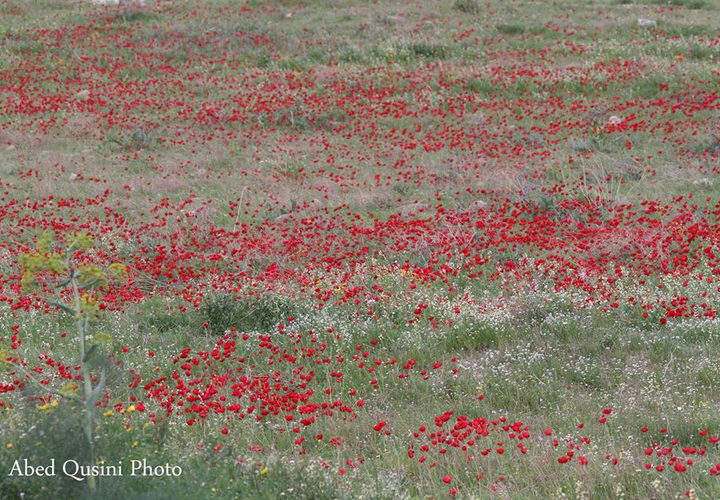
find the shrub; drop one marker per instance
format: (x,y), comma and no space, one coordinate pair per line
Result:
(467,6)
(223,312)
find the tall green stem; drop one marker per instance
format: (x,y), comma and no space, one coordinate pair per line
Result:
(89,425)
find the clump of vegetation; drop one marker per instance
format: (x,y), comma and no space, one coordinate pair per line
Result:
(223,312)
(467,6)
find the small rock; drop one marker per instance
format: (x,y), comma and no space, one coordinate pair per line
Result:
(703,181)
(647,23)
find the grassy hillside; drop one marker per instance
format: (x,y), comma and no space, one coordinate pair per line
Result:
(355,249)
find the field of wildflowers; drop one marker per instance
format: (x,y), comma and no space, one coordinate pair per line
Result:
(343,249)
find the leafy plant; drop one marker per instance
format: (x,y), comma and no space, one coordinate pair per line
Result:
(77,289)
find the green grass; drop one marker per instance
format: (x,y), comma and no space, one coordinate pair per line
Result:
(542,375)
(531,355)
